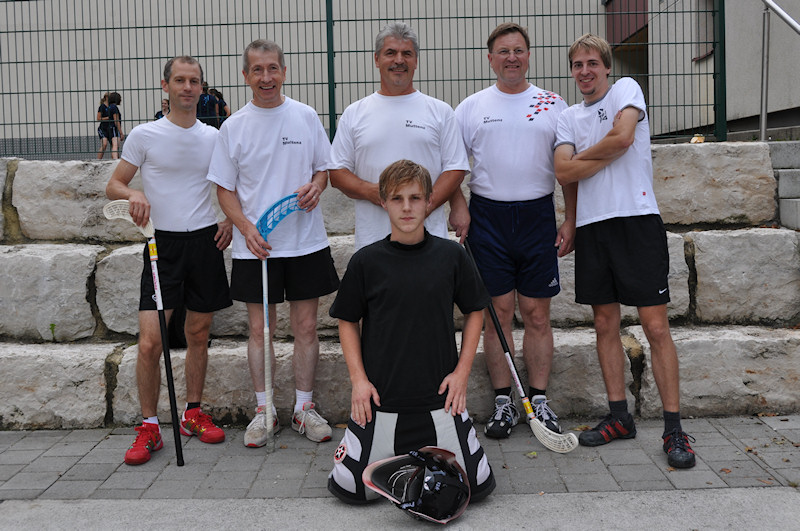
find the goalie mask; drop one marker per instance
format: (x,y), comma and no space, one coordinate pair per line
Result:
(428,483)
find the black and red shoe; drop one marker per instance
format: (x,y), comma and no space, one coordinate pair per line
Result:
(679,452)
(608,430)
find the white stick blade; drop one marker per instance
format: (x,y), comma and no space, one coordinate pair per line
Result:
(120,209)
(557,442)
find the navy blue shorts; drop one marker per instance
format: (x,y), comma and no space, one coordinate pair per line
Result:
(294,278)
(191,271)
(624,260)
(514,245)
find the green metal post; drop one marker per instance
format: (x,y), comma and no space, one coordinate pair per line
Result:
(331,78)
(720,89)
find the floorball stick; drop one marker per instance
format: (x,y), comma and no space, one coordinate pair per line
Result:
(557,442)
(120,209)
(268,221)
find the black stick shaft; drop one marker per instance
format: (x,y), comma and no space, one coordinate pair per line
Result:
(173,405)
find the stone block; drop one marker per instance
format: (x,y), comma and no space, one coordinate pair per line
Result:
(564,311)
(43,291)
(785,154)
(117,282)
(747,276)
(338,211)
(790,213)
(729,371)
(788,183)
(64,201)
(728,183)
(53,386)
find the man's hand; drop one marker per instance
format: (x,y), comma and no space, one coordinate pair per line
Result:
(139,207)
(456,386)
(565,239)
(360,403)
(224,234)
(255,243)
(308,196)
(459,217)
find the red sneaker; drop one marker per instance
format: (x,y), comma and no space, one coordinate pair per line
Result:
(148,440)
(195,422)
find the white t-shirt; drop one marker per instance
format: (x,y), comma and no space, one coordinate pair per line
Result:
(265,155)
(377,130)
(174,162)
(510,137)
(625,187)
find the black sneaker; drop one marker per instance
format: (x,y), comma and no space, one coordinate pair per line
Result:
(608,430)
(676,446)
(504,418)
(545,415)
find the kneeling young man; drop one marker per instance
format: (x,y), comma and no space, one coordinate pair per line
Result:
(409,381)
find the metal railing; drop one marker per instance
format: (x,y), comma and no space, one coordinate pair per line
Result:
(57,57)
(792,23)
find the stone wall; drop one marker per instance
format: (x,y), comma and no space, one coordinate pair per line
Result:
(69,292)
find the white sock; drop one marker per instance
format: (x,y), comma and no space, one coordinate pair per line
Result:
(261,398)
(301,397)
(152,420)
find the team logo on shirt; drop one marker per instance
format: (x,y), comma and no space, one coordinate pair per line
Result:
(542,102)
(285,140)
(410,123)
(489,119)
(601,114)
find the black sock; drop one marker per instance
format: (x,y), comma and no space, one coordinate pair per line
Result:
(503,391)
(672,421)
(533,392)
(192,405)
(619,409)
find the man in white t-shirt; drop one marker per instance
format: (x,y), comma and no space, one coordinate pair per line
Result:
(272,147)
(509,130)
(396,122)
(621,256)
(173,156)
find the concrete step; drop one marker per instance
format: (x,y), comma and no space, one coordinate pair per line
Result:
(724,371)
(785,155)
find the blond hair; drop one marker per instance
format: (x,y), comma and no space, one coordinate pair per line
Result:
(401,173)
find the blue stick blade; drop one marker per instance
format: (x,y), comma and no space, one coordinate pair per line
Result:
(274,214)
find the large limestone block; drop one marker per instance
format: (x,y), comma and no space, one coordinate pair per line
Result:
(338,211)
(43,291)
(117,282)
(52,386)
(228,394)
(565,311)
(729,371)
(715,182)
(747,276)
(64,201)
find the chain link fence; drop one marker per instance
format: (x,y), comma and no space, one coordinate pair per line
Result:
(58,57)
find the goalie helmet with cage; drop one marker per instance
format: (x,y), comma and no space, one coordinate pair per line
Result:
(428,483)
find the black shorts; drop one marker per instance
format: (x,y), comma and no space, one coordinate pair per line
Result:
(103,131)
(391,434)
(514,245)
(294,278)
(191,271)
(622,260)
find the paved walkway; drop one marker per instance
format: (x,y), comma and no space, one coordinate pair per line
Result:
(748,470)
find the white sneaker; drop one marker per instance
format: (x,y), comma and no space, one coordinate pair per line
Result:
(256,434)
(310,423)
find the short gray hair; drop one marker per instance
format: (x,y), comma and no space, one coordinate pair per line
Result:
(398,30)
(264,46)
